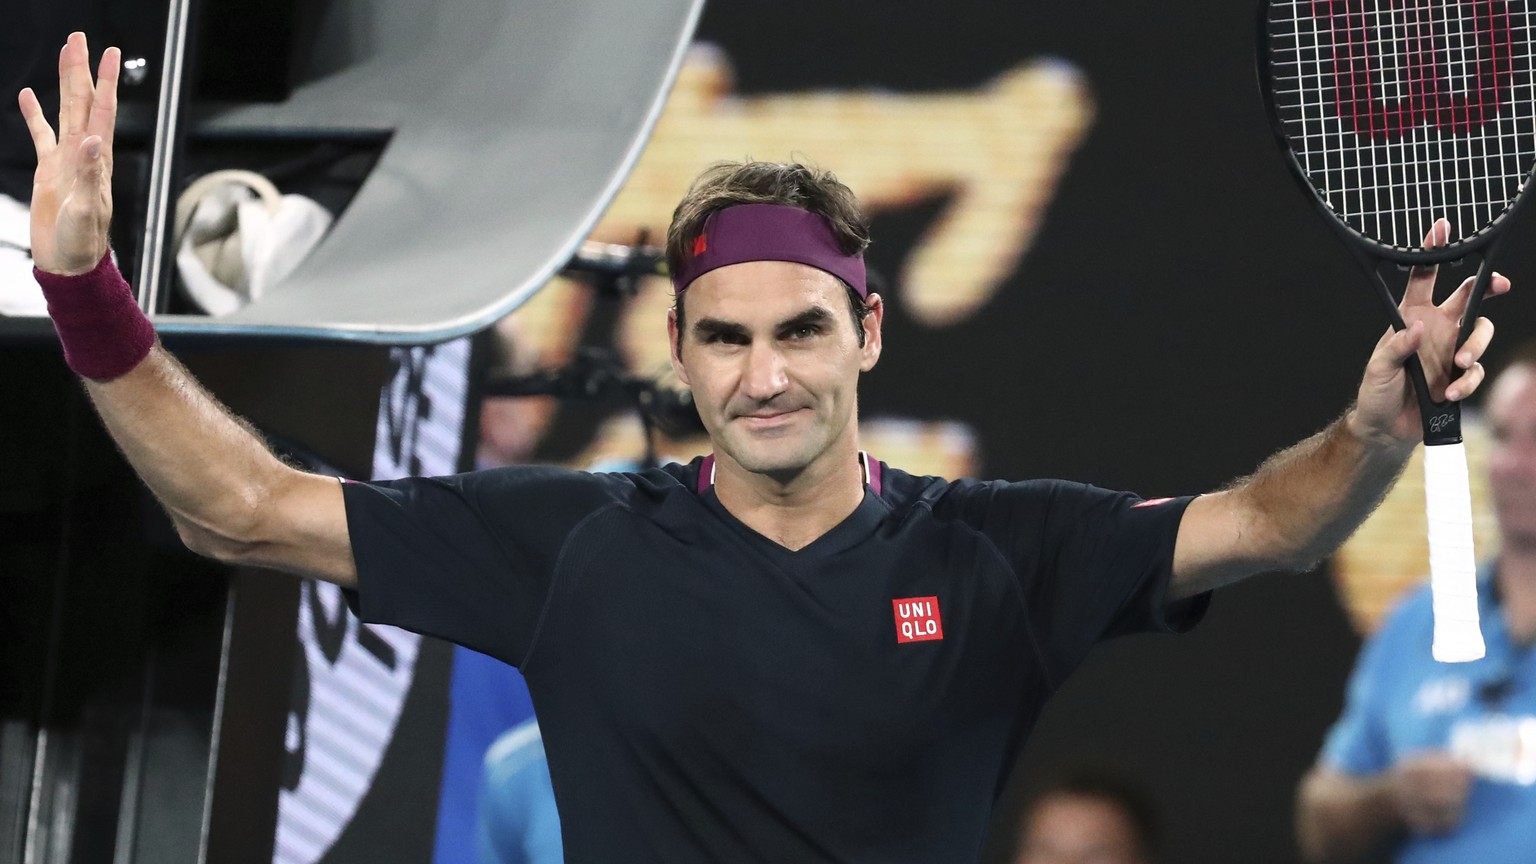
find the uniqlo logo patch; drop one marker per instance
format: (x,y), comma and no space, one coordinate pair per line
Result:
(917,619)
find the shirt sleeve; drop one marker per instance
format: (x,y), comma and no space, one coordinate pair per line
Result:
(1092,564)
(469,558)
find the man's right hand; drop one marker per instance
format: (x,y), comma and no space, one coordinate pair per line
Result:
(72,189)
(1430,790)
(228,495)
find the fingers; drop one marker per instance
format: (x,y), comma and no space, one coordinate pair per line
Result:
(1434,816)
(1477,342)
(103,120)
(1467,357)
(1466,385)
(87,109)
(1438,804)
(75,91)
(1396,346)
(1431,791)
(90,157)
(42,134)
(1421,280)
(1456,304)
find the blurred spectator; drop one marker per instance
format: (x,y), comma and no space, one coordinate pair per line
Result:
(510,426)
(1089,816)
(1437,762)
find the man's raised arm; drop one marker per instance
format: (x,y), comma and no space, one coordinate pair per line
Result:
(1305,501)
(229,496)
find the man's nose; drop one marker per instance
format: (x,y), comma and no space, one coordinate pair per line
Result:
(766,375)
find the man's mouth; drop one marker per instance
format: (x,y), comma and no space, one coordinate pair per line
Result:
(769,418)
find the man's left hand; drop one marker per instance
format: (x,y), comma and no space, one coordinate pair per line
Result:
(1386,410)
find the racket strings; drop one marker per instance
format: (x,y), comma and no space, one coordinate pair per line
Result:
(1402,111)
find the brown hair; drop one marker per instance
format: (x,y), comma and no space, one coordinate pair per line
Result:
(724,184)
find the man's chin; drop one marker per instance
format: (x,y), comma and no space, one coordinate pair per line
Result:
(779,458)
(780,468)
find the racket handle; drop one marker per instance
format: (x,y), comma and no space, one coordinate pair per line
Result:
(1452,565)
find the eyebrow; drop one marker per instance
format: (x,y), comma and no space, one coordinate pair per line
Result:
(813,315)
(704,328)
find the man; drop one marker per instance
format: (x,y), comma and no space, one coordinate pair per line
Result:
(788,651)
(1088,817)
(1439,761)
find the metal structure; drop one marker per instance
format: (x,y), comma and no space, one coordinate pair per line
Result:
(510,126)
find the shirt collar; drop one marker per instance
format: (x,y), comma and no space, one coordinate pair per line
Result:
(870,468)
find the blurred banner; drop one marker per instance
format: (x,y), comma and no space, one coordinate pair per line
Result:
(352,678)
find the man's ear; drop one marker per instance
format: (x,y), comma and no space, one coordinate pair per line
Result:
(674,349)
(871,324)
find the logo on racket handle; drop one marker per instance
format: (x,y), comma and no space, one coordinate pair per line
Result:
(1434,83)
(1441,428)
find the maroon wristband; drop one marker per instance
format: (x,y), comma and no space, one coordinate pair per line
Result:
(104,332)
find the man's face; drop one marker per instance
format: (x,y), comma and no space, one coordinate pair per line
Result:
(1512,464)
(773,360)
(1078,829)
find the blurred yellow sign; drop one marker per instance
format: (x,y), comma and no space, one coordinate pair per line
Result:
(1390,553)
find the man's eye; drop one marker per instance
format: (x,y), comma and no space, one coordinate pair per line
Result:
(805,332)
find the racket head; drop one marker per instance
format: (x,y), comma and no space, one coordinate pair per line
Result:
(1445,126)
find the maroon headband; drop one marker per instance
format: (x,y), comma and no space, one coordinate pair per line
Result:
(769,232)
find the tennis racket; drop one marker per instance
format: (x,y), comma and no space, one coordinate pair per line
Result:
(1391,114)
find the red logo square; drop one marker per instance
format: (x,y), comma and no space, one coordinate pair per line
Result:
(700,245)
(917,619)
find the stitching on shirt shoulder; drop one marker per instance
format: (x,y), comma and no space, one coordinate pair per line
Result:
(554,579)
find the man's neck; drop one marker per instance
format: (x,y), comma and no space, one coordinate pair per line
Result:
(1516,572)
(796,512)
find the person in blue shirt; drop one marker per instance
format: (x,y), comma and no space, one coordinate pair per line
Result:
(1437,762)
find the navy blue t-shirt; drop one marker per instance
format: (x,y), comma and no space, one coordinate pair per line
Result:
(707,695)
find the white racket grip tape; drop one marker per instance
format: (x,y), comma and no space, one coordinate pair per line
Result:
(1452,563)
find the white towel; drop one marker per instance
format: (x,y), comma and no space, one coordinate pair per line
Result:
(19,292)
(237,237)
